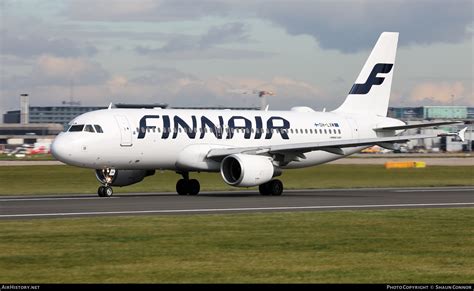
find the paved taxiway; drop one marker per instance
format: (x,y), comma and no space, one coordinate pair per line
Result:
(28,207)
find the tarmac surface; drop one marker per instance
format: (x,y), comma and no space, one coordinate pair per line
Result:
(80,205)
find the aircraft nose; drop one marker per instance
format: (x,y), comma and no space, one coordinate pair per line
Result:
(60,149)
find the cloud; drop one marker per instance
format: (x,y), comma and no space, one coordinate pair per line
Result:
(208,53)
(207,45)
(227,33)
(34,45)
(347,26)
(351,26)
(165,85)
(443,93)
(143,10)
(56,71)
(31,37)
(162,76)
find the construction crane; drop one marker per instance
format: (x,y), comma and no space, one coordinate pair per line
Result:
(261,94)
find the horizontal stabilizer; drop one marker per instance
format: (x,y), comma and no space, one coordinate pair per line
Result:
(418,125)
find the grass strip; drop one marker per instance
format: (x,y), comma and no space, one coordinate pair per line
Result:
(390,246)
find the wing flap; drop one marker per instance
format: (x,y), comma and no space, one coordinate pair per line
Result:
(418,125)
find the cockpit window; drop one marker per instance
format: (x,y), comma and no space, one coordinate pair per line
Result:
(77,127)
(98,128)
(66,128)
(89,128)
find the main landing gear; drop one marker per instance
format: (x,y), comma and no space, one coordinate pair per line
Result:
(186,186)
(273,188)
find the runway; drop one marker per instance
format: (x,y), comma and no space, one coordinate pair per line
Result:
(31,207)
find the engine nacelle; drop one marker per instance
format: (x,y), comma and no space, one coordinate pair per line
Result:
(243,170)
(120,178)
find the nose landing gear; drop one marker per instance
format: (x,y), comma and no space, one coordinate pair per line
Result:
(105,177)
(105,191)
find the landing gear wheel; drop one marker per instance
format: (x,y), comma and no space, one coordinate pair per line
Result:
(275,187)
(182,187)
(264,189)
(193,187)
(108,191)
(100,191)
(105,191)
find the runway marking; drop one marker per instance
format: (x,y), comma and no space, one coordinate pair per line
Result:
(289,191)
(436,190)
(49,199)
(232,209)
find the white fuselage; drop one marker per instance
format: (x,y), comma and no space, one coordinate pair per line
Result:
(179,139)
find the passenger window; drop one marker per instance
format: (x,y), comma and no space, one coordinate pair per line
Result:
(78,127)
(339,131)
(306,130)
(330,131)
(325,131)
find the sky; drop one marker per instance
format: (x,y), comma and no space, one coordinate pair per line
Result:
(217,53)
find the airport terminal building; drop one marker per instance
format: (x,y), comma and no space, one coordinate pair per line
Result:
(49,114)
(437,113)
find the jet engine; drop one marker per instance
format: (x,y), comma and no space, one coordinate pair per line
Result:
(113,177)
(243,170)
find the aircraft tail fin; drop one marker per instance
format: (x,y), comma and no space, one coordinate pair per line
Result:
(370,93)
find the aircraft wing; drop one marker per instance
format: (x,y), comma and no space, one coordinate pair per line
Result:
(417,125)
(335,147)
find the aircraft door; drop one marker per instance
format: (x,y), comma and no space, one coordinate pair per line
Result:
(125,130)
(354,128)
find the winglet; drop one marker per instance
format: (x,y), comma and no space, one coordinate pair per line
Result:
(461,134)
(110,105)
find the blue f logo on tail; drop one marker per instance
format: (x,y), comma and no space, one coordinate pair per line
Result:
(372,79)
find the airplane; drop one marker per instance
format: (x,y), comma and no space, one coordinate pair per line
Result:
(248,147)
